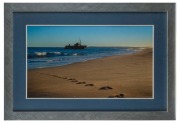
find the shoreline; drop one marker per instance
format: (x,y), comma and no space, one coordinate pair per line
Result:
(88,60)
(109,77)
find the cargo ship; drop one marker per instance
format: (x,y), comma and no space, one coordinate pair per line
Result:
(75,46)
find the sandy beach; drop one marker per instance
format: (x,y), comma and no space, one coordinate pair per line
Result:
(122,76)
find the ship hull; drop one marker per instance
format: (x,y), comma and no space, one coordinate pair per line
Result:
(74,47)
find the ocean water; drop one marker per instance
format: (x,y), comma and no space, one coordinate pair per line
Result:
(42,57)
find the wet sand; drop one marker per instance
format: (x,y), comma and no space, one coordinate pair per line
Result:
(123,76)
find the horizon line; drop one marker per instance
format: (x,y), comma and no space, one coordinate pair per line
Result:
(95,46)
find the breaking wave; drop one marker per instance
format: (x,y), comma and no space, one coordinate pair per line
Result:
(40,57)
(51,54)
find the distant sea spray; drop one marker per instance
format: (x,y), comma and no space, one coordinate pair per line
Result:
(42,57)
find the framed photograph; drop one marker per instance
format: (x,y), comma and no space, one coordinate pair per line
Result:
(89,61)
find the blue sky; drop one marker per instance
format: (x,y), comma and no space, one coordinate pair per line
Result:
(59,36)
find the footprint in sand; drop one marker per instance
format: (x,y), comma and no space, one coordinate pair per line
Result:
(71,78)
(44,73)
(89,85)
(105,88)
(53,75)
(117,96)
(81,83)
(56,76)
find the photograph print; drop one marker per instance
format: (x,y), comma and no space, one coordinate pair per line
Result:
(89,61)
